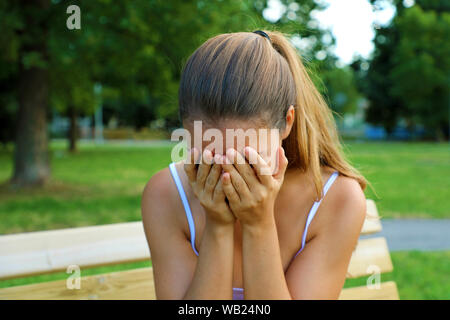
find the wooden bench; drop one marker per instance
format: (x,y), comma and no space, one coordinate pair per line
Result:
(45,252)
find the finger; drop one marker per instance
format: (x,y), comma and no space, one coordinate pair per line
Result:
(262,168)
(243,167)
(204,168)
(190,164)
(212,179)
(282,164)
(229,190)
(219,195)
(236,179)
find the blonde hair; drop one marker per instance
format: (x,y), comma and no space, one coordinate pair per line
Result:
(244,75)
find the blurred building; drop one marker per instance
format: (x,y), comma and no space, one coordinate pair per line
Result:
(60,125)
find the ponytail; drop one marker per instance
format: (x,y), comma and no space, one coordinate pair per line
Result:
(313,141)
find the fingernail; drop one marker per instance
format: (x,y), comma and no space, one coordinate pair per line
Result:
(208,156)
(230,155)
(218,158)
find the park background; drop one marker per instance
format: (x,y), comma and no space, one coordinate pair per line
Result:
(86,114)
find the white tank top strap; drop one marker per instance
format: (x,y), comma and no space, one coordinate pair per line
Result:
(184,200)
(315,207)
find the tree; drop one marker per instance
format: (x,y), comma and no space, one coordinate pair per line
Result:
(407,78)
(373,81)
(421,73)
(31,152)
(342,90)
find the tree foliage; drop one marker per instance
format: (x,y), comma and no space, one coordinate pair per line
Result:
(409,74)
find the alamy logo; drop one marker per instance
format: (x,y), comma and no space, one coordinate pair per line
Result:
(74,20)
(374,281)
(74,280)
(267,141)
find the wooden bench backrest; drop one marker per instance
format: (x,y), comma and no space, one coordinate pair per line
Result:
(51,251)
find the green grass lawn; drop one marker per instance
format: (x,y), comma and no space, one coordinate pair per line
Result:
(419,275)
(410,179)
(103,184)
(98,185)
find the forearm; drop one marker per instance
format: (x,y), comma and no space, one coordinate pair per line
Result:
(262,267)
(213,276)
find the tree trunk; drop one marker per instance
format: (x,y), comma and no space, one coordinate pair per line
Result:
(31,162)
(31,165)
(73,130)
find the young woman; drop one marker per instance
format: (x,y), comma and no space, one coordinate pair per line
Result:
(222,229)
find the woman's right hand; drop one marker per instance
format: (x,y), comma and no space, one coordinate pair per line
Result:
(207,186)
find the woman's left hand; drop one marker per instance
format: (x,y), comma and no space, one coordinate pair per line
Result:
(251,195)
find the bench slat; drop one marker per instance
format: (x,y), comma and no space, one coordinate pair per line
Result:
(372,222)
(51,251)
(134,284)
(370,256)
(387,291)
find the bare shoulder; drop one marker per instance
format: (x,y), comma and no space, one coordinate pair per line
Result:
(157,198)
(346,205)
(166,237)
